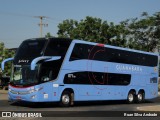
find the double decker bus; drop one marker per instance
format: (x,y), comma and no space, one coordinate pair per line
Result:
(64,70)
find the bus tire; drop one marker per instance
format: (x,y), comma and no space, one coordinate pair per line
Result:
(140,97)
(131,97)
(66,99)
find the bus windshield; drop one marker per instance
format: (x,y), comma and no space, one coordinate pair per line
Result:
(22,75)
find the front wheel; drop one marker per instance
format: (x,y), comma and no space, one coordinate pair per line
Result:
(65,99)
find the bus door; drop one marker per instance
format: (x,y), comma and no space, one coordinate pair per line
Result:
(47,75)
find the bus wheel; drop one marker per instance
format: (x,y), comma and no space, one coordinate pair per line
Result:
(131,97)
(140,97)
(65,99)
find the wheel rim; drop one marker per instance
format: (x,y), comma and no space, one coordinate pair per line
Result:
(65,99)
(140,97)
(130,97)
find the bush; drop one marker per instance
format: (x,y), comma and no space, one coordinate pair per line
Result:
(159,84)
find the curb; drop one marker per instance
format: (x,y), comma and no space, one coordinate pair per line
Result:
(149,108)
(3,91)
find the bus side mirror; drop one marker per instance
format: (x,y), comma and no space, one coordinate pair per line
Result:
(46,58)
(36,60)
(4,61)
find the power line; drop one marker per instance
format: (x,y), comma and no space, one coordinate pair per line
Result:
(25,15)
(15,14)
(41,24)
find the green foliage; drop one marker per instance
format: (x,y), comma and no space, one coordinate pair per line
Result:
(142,33)
(5,53)
(92,29)
(48,35)
(1,51)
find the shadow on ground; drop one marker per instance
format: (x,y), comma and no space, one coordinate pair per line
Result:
(77,104)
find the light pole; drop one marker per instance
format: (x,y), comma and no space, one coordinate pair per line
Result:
(41,24)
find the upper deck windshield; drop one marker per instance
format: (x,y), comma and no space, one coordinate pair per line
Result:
(29,50)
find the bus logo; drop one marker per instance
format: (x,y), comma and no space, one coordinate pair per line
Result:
(23,61)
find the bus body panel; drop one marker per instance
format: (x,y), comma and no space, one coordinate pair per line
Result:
(92,79)
(40,93)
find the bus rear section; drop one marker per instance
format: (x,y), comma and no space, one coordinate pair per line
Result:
(102,72)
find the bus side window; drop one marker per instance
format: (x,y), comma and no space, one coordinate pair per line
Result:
(50,75)
(77,52)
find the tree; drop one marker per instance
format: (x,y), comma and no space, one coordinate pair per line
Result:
(157,26)
(143,33)
(1,51)
(138,33)
(48,35)
(92,29)
(5,53)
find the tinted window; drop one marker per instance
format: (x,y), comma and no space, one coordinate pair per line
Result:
(29,49)
(49,70)
(57,47)
(85,51)
(97,78)
(54,47)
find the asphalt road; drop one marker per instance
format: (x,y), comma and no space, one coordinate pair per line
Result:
(80,106)
(80,109)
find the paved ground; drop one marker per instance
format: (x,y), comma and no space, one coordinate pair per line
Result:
(149,108)
(3,91)
(142,108)
(93,110)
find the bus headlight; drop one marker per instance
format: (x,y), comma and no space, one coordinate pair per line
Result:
(25,92)
(33,96)
(32,91)
(35,90)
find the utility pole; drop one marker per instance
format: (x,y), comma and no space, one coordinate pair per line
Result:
(41,24)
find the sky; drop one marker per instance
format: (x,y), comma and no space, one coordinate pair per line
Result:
(18,21)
